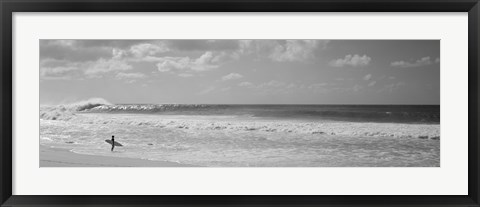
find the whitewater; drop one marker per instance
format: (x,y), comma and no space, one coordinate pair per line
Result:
(248,136)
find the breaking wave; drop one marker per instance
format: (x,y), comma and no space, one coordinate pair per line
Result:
(156,108)
(88,104)
(68,111)
(358,113)
(388,121)
(233,125)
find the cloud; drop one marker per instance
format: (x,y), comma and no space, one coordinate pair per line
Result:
(351,60)
(245,84)
(60,72)
(221,52)
(71,51)
(62,59)
(282,50)
(143,52)
(64,69)
(104,66)
(185,75)
(317,85)
(295,50)
(222,57)
(367,77)
(58,69)
(232,76)
(418,63)
(276,50)
(357,88)
(292,86)
(130,77)
(122,75)
(203,45)
(91,50)
(92,58)
(206,61)
(173,63)
(121,44)
(215,51)
(372,83)
(272,83)
(146,49)
(64,43)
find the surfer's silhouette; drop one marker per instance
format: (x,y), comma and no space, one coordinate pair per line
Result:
(113,142)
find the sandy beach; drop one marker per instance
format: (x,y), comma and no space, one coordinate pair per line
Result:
(56,157)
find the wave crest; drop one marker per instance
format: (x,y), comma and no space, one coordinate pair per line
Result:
(67,111)
(234,125)
(155,108)
(88,104)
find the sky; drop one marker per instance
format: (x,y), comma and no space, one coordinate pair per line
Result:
(241,71)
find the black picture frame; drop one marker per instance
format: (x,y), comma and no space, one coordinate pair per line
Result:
(8,7)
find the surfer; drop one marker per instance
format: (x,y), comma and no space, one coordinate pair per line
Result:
(113,142)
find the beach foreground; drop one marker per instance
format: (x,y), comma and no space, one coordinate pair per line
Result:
(55,157)
(241,136)
(230,142)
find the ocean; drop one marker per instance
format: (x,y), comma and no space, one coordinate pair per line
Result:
(250,135)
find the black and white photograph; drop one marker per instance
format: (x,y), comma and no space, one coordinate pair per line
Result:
(239,103)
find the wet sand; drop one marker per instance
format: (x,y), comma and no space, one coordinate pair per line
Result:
(56,157)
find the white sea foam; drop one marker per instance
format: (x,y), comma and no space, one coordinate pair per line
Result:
(243,140)
(68,111)
(72,112)
(368,129)
(46,138)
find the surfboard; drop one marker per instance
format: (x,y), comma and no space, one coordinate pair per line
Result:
(116,143)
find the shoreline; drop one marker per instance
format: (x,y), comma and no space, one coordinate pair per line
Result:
(242,124)
(60,157)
